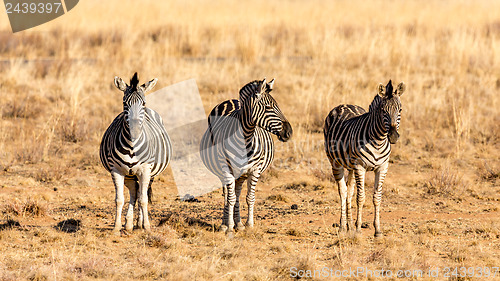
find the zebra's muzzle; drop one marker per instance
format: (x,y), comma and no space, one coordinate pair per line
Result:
(135,129)
(393,135)
(286,132)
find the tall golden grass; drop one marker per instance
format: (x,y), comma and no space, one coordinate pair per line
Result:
(57,98)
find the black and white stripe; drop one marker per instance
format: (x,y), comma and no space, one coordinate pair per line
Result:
(360,141)
(134,149)
(238,145)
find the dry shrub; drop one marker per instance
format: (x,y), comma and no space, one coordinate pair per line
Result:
(294,232)
(445,183)
(278,198)
(157,241)
(29,208)
(179,222)
(302,185)
(95,267)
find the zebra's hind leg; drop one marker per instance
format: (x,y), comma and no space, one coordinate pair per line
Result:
(118,180)
(237,216)
(377,197)
(338,173)
(223,226)
(144,179)
(359,174)
(132,189)
(350,193)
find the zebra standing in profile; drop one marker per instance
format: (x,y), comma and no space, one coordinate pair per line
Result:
(134,149)
(361,141)
(238,145)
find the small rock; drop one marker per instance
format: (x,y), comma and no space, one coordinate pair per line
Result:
(294,207)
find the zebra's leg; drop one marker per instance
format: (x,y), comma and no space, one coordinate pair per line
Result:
(251,183)
(359,174)
(237,217)
(226,209)
(350,193)
(132,190)
(231,200)
(338,173)
(377,196)
(140,218)
(118,180)
(144,178)
(228,183)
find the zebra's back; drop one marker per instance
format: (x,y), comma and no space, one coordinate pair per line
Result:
(153,148)
(224,144)
(342,113)
(339,132)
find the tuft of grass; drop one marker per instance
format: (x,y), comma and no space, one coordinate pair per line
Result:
(445,183)
(278,198)
(29,208)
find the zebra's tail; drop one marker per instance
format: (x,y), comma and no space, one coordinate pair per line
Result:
(150,191)
(329,120)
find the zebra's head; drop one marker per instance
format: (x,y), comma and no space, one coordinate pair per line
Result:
(391,108)
(134,103)
(264,111)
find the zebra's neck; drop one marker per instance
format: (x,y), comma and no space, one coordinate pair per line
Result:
(378,129)
(247,126)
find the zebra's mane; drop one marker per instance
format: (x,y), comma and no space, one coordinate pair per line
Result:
(134,81)
(377,101)
(249,89)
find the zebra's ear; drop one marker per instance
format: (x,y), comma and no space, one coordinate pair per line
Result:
(120,84)
(269,86)
(261,90)
(149,85)
(381,90)
(400,89)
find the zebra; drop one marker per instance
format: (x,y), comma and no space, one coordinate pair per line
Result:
(134,149)
(238,145)
(361,141)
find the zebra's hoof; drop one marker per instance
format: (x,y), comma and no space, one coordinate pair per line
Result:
(230,234)
(116,232)
(223,228)
(379,235)
(240,227)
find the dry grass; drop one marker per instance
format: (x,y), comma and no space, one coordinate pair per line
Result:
(57,99)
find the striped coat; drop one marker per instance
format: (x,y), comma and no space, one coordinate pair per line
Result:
(238,145)
(134,149)
(360,141)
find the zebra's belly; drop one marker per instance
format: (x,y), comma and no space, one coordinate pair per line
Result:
(132,168)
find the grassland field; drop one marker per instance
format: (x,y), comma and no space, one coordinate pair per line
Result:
(441,198)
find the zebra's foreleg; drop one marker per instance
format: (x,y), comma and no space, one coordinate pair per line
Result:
(251,183)
(237,216)
(144,179)
(129,218)
(343,201)
(350,193)
(359,174)
(118,180)
(377,196)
